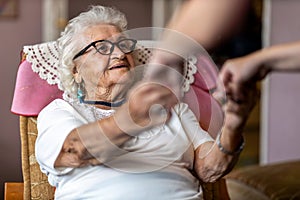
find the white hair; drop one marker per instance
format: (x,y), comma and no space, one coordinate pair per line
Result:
(69,44)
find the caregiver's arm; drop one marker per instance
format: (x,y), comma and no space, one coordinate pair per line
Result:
(237,72)
(209,22)
(197,23)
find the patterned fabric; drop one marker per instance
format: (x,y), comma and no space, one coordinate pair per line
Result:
(44,59)
(36,184)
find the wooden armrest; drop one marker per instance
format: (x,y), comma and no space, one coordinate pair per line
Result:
(216,190)
(13,191)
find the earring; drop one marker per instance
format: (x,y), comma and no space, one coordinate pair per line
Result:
(80,93)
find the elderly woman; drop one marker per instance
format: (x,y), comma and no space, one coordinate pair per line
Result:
(98,144)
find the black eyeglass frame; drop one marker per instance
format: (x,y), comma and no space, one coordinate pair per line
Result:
(93,44)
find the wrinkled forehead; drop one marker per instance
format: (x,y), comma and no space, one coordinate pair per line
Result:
(102,32)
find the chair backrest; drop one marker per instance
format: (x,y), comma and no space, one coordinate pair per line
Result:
(36,184)
(37,85)
(33,92)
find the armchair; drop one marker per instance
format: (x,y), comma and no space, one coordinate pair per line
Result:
(37,85)
(280,181)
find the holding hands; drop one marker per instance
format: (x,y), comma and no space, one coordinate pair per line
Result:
(241,73)
(240,76)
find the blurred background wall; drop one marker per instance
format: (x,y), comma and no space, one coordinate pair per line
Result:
(279,138)
(25,28)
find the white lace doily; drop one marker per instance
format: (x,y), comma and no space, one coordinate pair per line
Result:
(45,61)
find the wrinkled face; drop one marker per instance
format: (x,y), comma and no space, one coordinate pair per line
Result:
(102,74)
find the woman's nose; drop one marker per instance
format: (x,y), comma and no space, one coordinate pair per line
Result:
(117,53)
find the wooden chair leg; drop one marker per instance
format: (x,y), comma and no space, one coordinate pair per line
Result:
(13,191)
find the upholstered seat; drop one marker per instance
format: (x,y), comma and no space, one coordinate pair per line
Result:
(280,181)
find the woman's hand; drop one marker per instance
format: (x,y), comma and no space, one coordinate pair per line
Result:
(149,104)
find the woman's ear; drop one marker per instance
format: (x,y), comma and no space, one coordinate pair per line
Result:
(77,76)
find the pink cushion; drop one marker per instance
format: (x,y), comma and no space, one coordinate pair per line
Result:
(207,110)
(32,93)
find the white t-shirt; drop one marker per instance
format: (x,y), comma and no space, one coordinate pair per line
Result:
(158,164)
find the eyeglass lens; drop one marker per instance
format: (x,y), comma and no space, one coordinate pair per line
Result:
(106,47)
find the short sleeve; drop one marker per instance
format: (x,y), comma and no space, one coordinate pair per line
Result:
(54,124)
(191,125)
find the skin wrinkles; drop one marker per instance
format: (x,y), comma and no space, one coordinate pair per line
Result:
(103,81)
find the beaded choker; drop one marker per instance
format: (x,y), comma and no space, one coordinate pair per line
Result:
(103,103)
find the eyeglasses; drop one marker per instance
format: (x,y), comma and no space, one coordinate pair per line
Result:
(106,47)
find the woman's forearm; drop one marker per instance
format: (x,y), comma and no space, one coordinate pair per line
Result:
(94,143)
(212,163)
(101,140)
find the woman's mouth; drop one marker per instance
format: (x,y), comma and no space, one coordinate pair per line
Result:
(118,66)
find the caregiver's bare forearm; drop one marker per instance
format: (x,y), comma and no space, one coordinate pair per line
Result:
(283,57)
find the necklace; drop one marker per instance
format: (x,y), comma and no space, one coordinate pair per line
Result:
(100,114)
(103,103)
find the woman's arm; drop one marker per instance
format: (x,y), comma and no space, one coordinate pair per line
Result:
(90,144)
(98,142)
(214,160)
(211,163)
